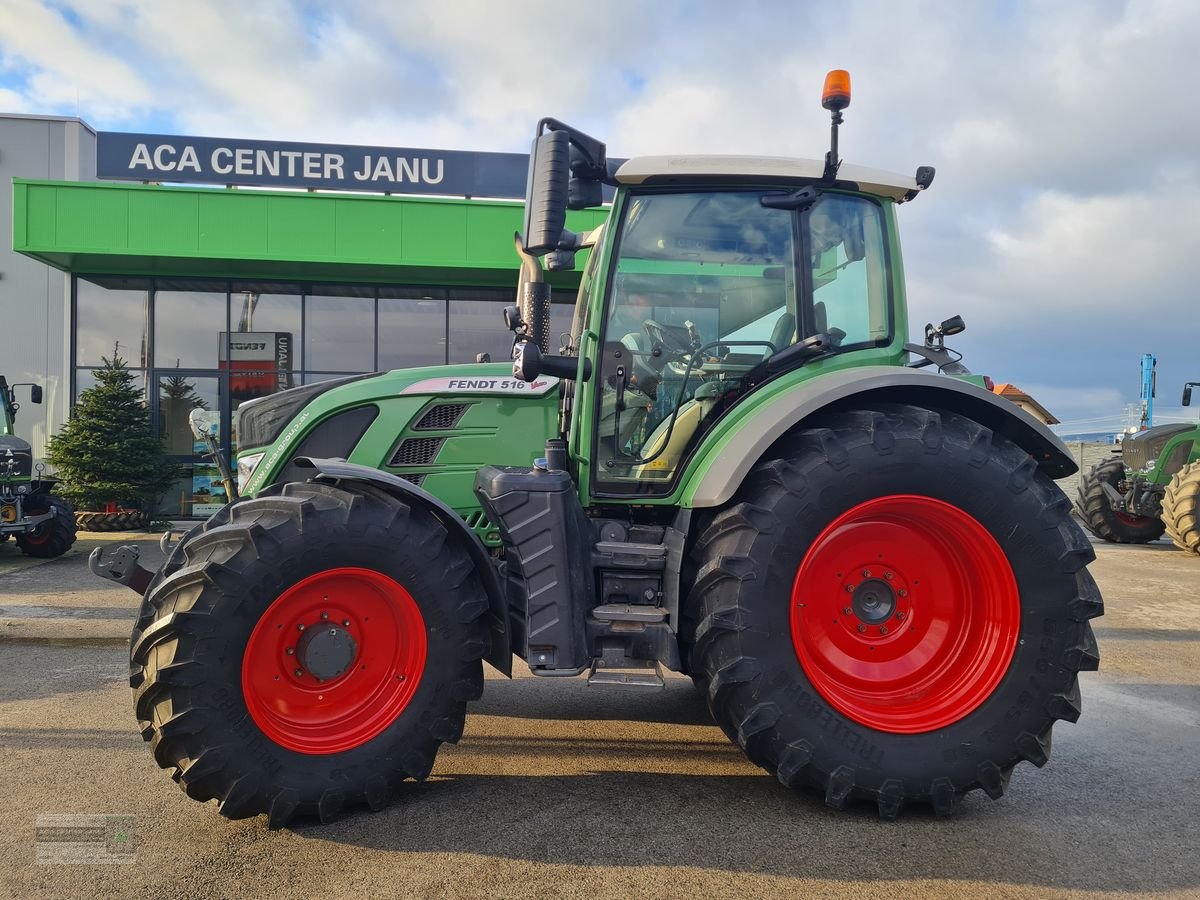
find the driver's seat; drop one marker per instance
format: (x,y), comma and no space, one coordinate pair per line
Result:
(784,333)
(666,444)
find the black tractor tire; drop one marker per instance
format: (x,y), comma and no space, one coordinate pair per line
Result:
(52,538)
(188,659)
(1181,509)
(749,562)
(1105,522)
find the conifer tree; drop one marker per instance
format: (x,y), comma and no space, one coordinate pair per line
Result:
(107,452)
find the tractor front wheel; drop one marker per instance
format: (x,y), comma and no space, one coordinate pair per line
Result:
(1098,514)
(1181,509)
(894,610)
(55,536)
(310,653)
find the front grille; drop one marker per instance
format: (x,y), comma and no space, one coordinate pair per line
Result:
(416,452)
(442,416)
(414,478)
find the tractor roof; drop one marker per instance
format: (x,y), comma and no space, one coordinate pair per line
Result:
(674,169)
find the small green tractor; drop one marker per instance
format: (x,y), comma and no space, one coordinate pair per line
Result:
(734,467)
(41,524)
(1152,487)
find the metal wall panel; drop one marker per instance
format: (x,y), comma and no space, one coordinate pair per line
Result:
(35,299)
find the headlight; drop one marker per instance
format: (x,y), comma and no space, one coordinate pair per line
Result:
(246,466)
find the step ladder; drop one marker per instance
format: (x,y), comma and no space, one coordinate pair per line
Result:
(614,668)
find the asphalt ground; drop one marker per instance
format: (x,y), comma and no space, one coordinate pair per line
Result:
(562,790)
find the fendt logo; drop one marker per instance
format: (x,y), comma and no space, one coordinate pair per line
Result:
(461,385)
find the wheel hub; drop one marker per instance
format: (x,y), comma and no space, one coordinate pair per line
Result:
(874,601)
(326,652)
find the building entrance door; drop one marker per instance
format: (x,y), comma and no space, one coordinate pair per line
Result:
(199,492)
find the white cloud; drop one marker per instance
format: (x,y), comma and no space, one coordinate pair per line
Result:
(1061,223)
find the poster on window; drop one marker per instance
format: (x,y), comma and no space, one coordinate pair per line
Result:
(259,363)
(208,491)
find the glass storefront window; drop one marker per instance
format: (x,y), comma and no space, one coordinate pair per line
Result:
(112,314)
(189,324)
(477,326)
(339,329)
(178,394)
(86,378)
(412,328)
(264,345)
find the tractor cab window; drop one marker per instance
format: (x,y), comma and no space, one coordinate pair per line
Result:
(706,286)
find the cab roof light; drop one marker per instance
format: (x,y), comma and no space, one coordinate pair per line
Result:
(836,95)
(834,98)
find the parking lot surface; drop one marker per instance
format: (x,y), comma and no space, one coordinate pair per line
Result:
(562,790)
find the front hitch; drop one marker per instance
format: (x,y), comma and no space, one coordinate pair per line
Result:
(122,567)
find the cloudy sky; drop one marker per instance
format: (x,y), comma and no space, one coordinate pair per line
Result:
(1064,224)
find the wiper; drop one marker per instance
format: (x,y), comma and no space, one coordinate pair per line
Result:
(816,346)
(801,198)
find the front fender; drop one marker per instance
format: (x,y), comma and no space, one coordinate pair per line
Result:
(723,463)
(500,655)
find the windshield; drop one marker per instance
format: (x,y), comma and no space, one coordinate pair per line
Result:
(708,285)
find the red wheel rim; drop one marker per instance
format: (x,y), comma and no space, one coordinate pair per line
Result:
(1135,521)
(905,614)
(41,533)
(373,629)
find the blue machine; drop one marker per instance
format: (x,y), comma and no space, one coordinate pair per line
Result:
(1148,363)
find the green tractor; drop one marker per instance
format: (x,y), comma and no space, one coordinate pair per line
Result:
(41,524)
(1151,487)
(730,469)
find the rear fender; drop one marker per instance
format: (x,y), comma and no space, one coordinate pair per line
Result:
(723,463)
(500,655)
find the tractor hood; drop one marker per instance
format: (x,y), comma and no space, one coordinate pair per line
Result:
(1142,449)
(22,457)
(432,426)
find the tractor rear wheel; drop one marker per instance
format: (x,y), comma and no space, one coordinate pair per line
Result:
(1105,522)
(894,610)
(311,653)
(1181,509)
(53,537)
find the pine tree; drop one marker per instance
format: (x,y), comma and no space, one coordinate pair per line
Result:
(107,452)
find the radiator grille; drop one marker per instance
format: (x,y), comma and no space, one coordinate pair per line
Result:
(416,452)
(415,478)
(444,415)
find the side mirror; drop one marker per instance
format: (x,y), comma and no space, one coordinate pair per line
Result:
(546,192)
(204,424)
(1187,392)
(35,393)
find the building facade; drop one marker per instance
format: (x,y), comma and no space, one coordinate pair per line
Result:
(215,295)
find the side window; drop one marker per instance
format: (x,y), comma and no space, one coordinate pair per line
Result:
(848,271)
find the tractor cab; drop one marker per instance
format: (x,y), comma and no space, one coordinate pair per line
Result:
(714,276)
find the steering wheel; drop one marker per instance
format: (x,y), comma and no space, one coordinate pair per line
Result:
(668,339)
